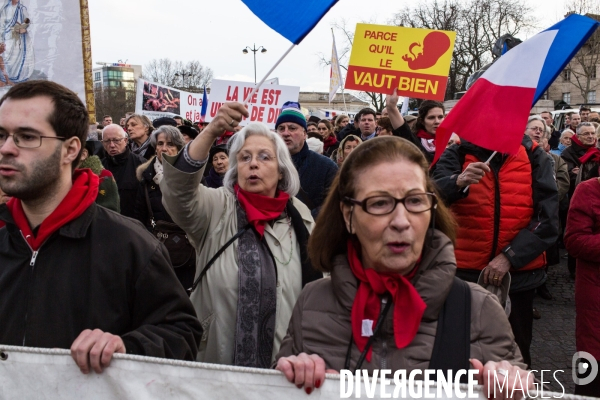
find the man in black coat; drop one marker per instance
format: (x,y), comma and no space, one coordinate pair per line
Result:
(122,163)
(316,171)
(74,274)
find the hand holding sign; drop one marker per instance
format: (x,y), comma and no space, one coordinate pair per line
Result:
(227,117)
(414,61)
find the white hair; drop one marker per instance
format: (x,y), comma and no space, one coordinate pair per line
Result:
(117,128)
(290,181)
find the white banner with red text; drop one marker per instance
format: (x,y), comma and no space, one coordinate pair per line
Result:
(264,106)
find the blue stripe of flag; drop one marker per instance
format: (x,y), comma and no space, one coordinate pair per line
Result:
(292,19)
(573,32)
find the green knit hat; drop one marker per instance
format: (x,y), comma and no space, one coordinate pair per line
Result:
(290,112)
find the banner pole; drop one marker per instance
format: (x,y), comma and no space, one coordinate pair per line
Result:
(86,46)
(267,75)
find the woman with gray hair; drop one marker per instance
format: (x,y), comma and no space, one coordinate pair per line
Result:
(139,129)
(150,211)
(250,236)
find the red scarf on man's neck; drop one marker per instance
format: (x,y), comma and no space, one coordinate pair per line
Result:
(82,194)
(592,152)
(408,304)
(261,209)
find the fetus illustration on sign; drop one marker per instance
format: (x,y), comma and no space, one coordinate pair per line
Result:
(426,54)
(16,43)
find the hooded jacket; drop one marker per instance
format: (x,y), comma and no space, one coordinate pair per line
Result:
(97,270)
(321,325)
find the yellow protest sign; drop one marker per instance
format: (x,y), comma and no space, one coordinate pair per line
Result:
(416,61)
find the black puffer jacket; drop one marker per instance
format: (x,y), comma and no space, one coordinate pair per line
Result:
(145,174)
(123,168)
(99,271)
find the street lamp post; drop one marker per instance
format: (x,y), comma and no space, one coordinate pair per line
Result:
(183,74)
(254,49)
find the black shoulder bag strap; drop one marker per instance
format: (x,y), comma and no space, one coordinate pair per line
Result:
(150,213)
(309,273)
(216,256)
(452,346)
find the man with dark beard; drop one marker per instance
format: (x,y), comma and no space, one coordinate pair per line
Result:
(74,274)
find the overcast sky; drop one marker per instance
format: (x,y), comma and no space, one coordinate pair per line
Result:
(215,32)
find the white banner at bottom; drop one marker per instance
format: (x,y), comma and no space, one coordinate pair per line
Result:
(32,373)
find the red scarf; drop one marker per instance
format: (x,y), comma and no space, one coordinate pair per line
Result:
(408,305)
(592,152)
(423,134)
(261,209)
(329,141)
(82,194)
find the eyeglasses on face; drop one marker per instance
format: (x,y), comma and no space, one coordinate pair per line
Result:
(386,204)
(536,129)
(107,142)
(26,140)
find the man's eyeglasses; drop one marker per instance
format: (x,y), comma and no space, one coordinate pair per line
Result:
(386,204)
(26,140)
(107,142)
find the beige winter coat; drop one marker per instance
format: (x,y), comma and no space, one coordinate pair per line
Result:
(208,216)
(320,323)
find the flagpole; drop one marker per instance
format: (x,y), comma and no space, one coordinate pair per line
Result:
(268,73)
(486,163)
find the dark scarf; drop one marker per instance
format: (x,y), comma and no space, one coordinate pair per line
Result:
(257,291)
(214,180)
(140,150)
(328,142)
(257,299)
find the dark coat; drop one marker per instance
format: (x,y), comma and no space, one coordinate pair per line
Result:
(145,174)
(571,156)
(99,271)
(316,175)
(321,321)
(123,167)
(582,240)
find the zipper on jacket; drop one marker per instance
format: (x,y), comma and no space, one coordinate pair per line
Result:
(496,211)
(384,349)
(34,254)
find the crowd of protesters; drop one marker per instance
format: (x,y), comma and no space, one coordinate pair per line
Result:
(311,248)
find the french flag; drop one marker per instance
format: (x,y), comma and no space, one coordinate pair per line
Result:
(493,113)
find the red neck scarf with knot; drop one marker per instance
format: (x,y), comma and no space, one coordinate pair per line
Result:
(592,153)
(261,209)
(408,304)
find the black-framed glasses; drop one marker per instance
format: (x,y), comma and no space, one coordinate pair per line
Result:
(26,140)
(385,204)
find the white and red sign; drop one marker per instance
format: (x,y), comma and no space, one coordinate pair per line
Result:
(264,106)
